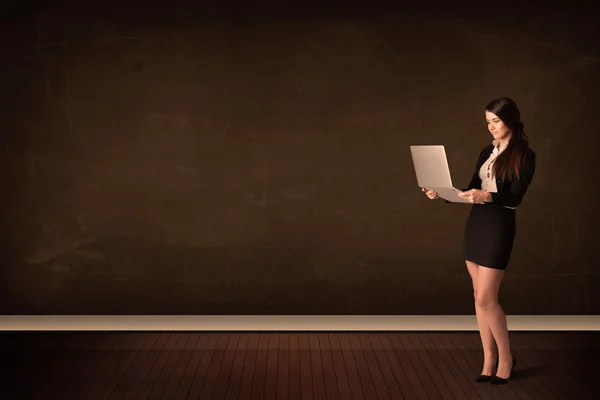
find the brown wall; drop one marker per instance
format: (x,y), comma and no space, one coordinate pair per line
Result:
(174,163)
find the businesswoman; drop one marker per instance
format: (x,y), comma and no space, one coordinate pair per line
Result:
(503,172)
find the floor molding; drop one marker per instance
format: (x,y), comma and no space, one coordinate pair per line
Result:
(275,323)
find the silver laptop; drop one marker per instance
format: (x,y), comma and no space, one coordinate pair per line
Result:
(433,173)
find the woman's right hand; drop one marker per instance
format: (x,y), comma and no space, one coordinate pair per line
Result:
(432,194)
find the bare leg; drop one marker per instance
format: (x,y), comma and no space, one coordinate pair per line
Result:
(488,284)
(487,339)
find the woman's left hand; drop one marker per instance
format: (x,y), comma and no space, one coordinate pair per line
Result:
(476,196)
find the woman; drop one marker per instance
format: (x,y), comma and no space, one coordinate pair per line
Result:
(503,172)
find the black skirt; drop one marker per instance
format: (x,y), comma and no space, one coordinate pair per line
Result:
(489,235)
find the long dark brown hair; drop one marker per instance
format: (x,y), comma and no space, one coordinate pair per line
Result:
(508,163)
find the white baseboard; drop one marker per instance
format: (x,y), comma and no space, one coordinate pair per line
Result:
(277,323)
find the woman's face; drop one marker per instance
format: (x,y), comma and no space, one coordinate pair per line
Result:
(497,127)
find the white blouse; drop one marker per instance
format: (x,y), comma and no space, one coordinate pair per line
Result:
(488,180)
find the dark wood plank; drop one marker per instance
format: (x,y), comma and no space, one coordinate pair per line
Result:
(381,359)
(340,367)
(117,372)
(94,367)
(452,378)
(295,388)
(224,376)
(306,384)
(523,354)
(329,376)
(205,343)
(356,385)
(215,341)
(271,372)
(440,381)
(213,368)
(52,379)
(249,363)
(179,369)
(308,365)
(401,340)
(364,373)
(260,368)
(316,363)
(573,356)
(150,370)
(574,362)
(559,383)
(71,352)
(195,374)
(166,373)
(126,379)
(580,363)
(374,369)
(402,367)
(80,372)
(283,366)
(237,367)
(574,340)
(118,357)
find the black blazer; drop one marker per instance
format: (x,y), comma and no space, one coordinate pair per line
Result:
(511,191)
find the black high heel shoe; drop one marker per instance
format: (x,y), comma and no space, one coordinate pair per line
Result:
(496,380)
(486,378)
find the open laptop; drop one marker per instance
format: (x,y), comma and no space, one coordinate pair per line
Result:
(433,173)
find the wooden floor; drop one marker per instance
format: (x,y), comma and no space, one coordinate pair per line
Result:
(331,365)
